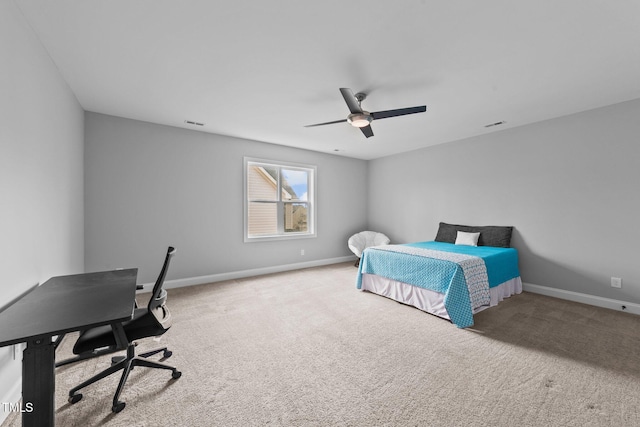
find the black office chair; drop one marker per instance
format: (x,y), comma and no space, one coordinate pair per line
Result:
(150,321)
(96,352)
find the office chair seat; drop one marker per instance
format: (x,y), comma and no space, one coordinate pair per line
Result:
(141,326)
(153,320)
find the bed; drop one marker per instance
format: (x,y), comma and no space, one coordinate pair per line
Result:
(465,270)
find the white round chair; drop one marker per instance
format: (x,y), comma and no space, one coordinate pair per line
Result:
(364,239)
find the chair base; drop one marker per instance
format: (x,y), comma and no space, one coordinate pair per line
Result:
(166,353)
(88,355)
(126,364)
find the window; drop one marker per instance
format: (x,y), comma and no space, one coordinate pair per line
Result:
(279,200)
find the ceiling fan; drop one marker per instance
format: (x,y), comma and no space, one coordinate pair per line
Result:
(362,119)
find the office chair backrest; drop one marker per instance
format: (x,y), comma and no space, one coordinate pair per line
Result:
(159,295)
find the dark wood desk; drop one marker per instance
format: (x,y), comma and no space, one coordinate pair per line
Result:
(60,305)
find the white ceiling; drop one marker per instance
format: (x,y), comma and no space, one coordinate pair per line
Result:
(264,69)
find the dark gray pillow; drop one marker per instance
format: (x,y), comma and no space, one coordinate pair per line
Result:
(490,235)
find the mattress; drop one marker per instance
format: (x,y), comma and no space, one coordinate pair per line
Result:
(432,301)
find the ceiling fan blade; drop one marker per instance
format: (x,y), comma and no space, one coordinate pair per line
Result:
(350,99)
(367,131)
(327,123)
(399,112)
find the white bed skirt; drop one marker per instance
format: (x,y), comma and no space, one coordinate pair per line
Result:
(428,300)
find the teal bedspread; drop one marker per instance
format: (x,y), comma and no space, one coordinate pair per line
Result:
(438,273)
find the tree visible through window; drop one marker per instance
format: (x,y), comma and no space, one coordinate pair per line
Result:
(279,200)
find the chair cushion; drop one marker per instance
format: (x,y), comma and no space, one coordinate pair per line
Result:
(364,239)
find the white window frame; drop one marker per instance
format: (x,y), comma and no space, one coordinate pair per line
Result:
(311,201)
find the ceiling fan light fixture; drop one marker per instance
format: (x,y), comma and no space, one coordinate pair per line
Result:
(360,120)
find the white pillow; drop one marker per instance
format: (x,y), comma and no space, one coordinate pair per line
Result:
(469,239)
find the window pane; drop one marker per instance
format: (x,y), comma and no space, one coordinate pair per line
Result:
(296,217)
(263,219)
(262,182)
(279,200)
(295,184)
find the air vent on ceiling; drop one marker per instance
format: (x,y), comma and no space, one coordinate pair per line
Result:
(191,122)
(495,124)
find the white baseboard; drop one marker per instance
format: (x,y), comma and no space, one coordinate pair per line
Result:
(597,301)
(190,281)
(628,307)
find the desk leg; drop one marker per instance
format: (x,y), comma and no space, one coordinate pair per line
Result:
(38,383)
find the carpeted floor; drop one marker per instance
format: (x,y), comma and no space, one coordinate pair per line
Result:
(306,348)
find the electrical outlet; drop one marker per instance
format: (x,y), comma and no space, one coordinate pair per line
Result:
(302,252)
(616,282)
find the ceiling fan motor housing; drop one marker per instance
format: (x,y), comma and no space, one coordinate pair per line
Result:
(360,120)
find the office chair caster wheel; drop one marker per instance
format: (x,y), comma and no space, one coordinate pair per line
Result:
(75,398)
(118,407)
(176,374)
(167,354)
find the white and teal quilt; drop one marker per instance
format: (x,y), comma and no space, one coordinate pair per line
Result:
(463,274)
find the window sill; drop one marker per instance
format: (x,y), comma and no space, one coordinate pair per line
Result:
(279,237)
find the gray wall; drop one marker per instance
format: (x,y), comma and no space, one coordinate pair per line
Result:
(149,186)
(568,185)
(41,174)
